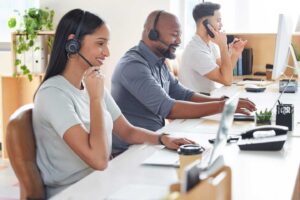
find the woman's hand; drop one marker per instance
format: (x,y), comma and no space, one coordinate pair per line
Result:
(174,143)
(245,106)
(94,81)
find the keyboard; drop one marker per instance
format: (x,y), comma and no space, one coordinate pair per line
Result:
(258,83)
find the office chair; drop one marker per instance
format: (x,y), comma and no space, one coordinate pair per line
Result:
(21,149)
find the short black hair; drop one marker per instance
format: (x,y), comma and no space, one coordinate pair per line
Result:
(205,9)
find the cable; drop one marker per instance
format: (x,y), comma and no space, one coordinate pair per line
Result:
(277,100)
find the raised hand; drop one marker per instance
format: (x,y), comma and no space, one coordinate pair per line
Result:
(94,81)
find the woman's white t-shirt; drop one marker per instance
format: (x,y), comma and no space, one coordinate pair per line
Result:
(58,106)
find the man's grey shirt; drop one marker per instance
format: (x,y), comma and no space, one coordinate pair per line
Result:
(144,89)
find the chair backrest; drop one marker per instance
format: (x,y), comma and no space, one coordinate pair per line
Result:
(21,149)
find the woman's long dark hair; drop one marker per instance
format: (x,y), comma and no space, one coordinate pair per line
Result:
(68,25)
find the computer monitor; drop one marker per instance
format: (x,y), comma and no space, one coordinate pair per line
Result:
(297,29)
(283,42)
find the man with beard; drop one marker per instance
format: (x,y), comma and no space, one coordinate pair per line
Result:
(202,68)
(145,90)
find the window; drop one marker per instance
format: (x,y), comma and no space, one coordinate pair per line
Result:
(246,16)
(7,10)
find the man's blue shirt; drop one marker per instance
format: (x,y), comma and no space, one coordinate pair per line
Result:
(144,89)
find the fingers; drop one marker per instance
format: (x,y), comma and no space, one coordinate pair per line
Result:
(251,106)
(94,72)
(175,143)
(182,141)
(243,111)
(212,29)
(91,70)
(246,103)
(239,44)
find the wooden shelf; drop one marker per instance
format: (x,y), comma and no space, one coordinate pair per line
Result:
(263,45)
(15,92)
(45,53)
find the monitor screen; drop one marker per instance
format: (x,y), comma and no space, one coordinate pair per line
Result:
(297,29)
(225,124)
(283,41)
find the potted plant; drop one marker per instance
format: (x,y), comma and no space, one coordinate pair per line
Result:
(29,25)
(263,117)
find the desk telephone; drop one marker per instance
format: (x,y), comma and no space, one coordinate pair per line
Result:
(263,138)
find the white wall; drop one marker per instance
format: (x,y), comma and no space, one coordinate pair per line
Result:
(125,18)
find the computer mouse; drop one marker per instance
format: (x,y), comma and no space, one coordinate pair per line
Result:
(251,86)
(254,88)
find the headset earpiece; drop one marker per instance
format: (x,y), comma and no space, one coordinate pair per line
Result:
(73,46)
(153,33)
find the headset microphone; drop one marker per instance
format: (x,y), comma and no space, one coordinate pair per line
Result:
(86,60)
(162,42)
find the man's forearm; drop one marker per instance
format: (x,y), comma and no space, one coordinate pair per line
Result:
(203,98)
(226,66)
(234,58)
(188,110)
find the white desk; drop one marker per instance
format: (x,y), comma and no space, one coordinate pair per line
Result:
(256,175)
(262,100)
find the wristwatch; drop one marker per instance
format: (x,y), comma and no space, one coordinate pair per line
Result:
(160,138)
(225,97)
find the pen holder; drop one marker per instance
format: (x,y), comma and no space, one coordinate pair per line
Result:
(285,115)
(215,187)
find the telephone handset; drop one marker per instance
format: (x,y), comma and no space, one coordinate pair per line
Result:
(278,130)
(209,32)
(263,138)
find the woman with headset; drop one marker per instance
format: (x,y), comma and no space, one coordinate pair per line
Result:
(74,116)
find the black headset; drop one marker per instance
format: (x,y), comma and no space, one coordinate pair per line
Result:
(73,45)
(154,34)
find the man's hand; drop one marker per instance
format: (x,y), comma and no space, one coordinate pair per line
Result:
(245,106)
(237,46)
(175,143)
(220,37)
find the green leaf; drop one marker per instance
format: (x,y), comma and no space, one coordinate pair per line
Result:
(30,44)
(12,22)
(32,21)
(29,77)
(17,62)
(23,67)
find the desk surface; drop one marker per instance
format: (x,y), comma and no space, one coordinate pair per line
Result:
(262,100)
(256,175)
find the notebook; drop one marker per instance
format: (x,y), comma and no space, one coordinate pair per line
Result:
(165,157)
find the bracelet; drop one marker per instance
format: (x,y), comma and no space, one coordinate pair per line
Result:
(160,138)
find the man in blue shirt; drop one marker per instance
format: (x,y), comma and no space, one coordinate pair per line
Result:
(145,90)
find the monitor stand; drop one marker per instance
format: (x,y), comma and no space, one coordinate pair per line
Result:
(290,85)
(296,66)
